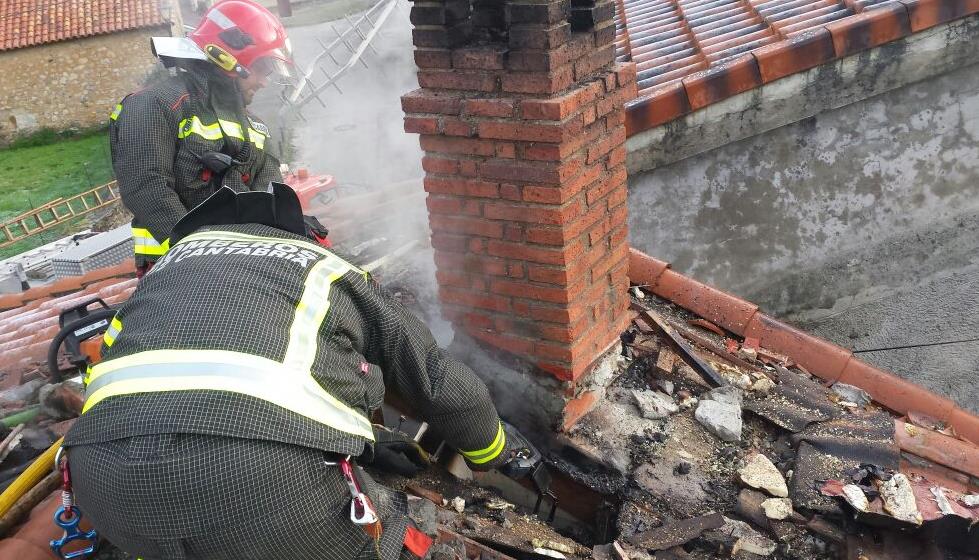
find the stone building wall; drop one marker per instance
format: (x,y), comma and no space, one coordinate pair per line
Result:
(73,83)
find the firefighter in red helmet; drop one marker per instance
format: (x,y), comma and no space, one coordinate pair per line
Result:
(177,141)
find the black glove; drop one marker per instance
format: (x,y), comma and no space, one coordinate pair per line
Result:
(395,452)
(519,457)
(315,230)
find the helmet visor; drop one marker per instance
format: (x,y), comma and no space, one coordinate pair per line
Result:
(277,68)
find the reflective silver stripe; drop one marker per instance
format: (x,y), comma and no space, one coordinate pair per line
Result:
(224,371)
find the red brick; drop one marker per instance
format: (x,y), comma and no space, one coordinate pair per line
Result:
(550,275)
(539,37)
(454,279)
(553,313)
(457,186)
(468,319)
(443,205)
(457,127)
(477,245)
(552,81)
(515,270)
(564,333)
(449,242)
(615,119)
(619,235)
(421,125)
(519,212)
(426,101)
(478,58)
(540,13)
(594,62)
(613,101)
(617,196)
(558,108)
(553,294)
(616,257)
(561,235)
(433,58)
(470,146)
(458,80)
(614,139)
(471,299)
(545,255)
(625,73)
(616,179)
(617,156)
(513,233)
(506,150)
(529,171)
(516,130)
(466,225)
(538,60)
(477,264)
(443,166)
(589,115)
(509,343)
(489,107)
(509,192)
(468,168)
(604,35)
(439,36)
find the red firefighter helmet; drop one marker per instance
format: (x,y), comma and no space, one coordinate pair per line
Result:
(241,37)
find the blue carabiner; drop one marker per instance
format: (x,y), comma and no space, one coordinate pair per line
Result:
(72,533)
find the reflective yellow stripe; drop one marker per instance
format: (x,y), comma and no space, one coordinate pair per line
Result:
(489,453)
(233,130)
(310,312)
(116,111)
(194,125)
(184,370)
(112,332)
(217,130)
(145,244)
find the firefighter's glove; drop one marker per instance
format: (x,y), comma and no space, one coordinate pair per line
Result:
(315,230)
(520,457)
(396,452)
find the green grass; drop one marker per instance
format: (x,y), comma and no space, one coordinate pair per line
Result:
(47,166)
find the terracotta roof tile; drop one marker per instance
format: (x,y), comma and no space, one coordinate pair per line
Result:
(707,45)
(26,23)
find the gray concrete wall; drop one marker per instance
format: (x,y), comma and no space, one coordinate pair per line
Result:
(845,198)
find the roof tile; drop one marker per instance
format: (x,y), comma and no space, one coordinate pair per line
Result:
(673,41)
(26,23)
(875,26)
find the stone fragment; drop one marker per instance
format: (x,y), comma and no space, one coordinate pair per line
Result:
(727,394)
(741,537)
(551,545)
(851,394)
(970,500)
(749,506)
(638,293)
(899,499)
(854,496)
(777,508)
(26,393)
(666,386)
(759,472)
(763,386)
(549,552)
(458,504)
(942,500)
(653,405)
(722,420)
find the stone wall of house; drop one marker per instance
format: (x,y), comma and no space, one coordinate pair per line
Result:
(72,83)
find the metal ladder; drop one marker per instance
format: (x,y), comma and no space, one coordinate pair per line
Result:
(57,212)
(365,28)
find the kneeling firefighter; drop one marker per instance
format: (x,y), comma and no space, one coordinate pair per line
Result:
(235,394)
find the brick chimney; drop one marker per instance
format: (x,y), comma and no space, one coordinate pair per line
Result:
(520,114)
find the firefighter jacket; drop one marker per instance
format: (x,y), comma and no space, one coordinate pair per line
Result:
(248,331)
(157,137)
